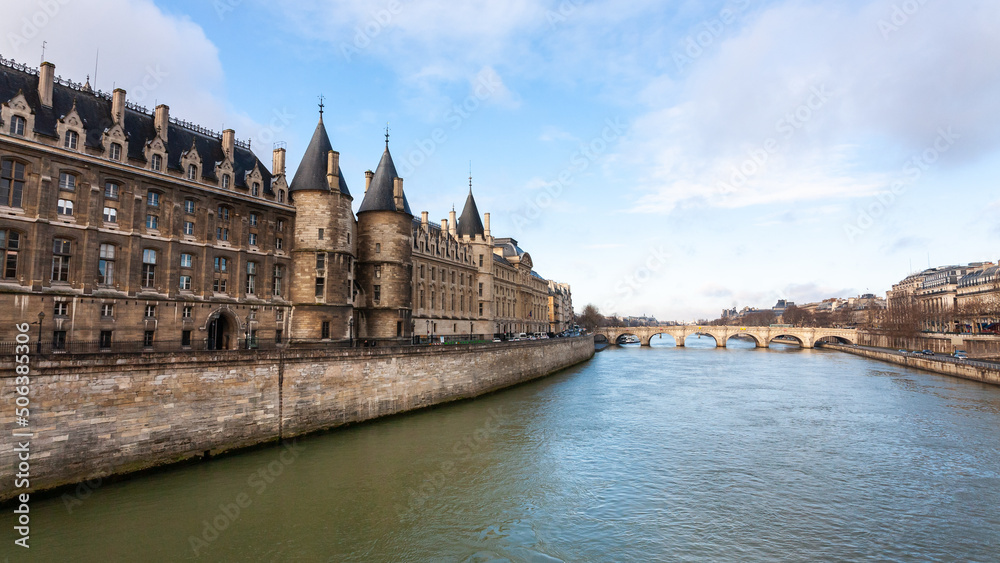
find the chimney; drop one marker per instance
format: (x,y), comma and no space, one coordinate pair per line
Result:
(486,234)
(452,223)
(332,168)
(278,162)
(162,121)
(368,179)
(444,226)
(45,74)
(118,105)
(229,143)
(423,219)
(397,193)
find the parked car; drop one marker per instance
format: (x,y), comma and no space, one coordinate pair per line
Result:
(960,354)
(901,351)
(927,353)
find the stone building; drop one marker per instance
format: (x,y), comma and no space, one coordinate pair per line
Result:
(124,229)
(560,307)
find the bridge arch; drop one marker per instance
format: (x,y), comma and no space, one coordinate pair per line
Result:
(719,342)
(834,339)
(666,339)
(741,335)
(782,339)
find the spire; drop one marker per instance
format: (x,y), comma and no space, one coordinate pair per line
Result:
(470,223)
(311,173)
(321,97)
(379,196)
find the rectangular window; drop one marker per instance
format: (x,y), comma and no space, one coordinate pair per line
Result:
(152,222)
(148,267)
(222,233)
(480,289)
(421,271)
(106,265)
(116,151)
(188,228)
(105,340)
(11,183)
(153,199)
(59,340)
(223,214)
(110,215)
(278,243)
(480,260)
(67,181)
(320,287)
(378,248)
(220,264)
(107,310)
(480,309)
(320,234)
(189,206)
(185,338)
(157,162)
(185,284)
(64,207)
(253,219)
(252,278)
(253,239)
(325,330)
(377,293)
(378,272)
(60,260)
(111,190)
(147,339)
(71,140)
(255,189)
(279,315)
(17,125)
(186,260)
(276,282)
(281,225)
(219,285)
(277,336)
(320,260)
(186,314)
(225,181)
(150,311)
(60,309)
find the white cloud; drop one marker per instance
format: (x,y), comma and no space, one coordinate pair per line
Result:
(156,57)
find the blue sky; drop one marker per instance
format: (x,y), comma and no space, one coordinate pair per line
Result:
(664,158)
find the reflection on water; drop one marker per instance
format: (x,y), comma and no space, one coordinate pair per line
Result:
(642,454)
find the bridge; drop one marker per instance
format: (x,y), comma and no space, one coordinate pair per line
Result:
(762,336)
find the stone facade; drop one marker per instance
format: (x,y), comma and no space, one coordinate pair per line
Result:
(123,230)
(108,414)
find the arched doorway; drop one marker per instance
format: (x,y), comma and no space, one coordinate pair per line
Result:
(221,332)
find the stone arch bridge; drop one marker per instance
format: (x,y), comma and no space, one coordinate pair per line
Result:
(761,335)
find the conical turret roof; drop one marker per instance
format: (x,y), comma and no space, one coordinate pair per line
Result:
(311,173)
(379,196)
(470,224)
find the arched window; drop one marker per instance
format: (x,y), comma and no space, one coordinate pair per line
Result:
(71,140)
(192,172)
(11,182)
(156,163)
(10,245)
(116,151)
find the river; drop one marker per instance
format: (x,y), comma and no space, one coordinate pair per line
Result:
(642,454)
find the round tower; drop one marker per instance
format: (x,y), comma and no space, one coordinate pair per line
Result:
(385,256)
(323,255)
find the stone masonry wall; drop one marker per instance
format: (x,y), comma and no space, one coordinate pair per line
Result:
(100,415)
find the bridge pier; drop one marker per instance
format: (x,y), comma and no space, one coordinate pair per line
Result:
(679,341)
(644,341)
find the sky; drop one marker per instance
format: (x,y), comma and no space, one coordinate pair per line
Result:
(665,158)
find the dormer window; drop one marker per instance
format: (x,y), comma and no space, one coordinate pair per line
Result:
(67,181)
(192,172)
(71,140)
(116,151)
(156,163)
(255,189)
(17,125)
(225,181)
(281,196)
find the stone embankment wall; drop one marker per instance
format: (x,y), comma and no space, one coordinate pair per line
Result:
(104,415)
(982,346)
(976,371)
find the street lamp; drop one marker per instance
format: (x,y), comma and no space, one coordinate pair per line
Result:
(470,331)
(41,317)
(350,330)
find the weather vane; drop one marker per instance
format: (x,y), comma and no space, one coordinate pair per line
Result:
(321,98)
(386,134)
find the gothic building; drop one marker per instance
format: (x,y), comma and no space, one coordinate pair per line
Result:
(123,229)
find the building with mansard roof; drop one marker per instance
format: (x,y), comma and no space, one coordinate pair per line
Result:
(124,229)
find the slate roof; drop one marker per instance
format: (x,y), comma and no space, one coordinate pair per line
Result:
(311,173)
(469,224)
(502,260)
(379,194)
(95,111)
